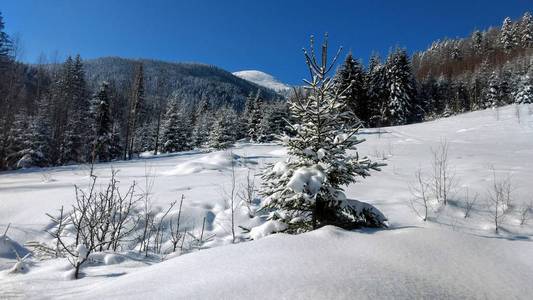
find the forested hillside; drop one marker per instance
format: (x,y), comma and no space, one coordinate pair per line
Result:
(191,82)
(489,69)
(115,108)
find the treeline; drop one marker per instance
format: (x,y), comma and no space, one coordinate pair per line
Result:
(72,125)
(489,69)
(73,112)
(113,108)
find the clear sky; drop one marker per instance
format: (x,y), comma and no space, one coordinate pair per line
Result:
(238,35)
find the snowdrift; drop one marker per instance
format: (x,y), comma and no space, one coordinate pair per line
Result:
(331,263)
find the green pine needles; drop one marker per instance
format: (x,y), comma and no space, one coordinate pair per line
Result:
(306,190)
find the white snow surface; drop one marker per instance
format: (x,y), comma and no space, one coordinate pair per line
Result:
(262,79)
(307,179)
(267,228)
(447,257)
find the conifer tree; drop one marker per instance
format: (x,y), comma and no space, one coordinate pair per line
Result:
(103,125)
(477,42)
(6,44)
(492,92)
(400,89)
(429,95)
(246,115)
(19,138)
(223,134)
(40,136)
(526,31)
(351,77)
(203,125)
(305,191)
(116,150)
(274,121)
(255,117)
(377,91)
(175,135)
(505,91)
(73,91)
(524,92)
(507,38)
(456,53)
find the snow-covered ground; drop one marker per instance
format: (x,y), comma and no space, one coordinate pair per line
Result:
(447,257)
(262,79)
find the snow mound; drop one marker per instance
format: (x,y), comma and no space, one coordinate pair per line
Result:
(10,248)
(331,263)
(267,228)
(216,161)
(113,259)
(262,79)
(307,179)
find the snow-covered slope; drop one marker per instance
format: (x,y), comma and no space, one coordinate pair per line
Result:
(448,257)
(262,79)
(404,263)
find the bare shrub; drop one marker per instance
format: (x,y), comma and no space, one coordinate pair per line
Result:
(469,203)
(499,200)
(443,175)
(419,190)
(248,191)
(175,234)
(517,113)
(525,212)
(46,177)
(199,239)
(147,214)
(160,229)
(98,221)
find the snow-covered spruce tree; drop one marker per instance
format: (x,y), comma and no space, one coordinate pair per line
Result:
(146,134)
(6,44)
(175,136)
(39,149)
(477,42)
(507,35)
(102,125)
(116,150)
(203,125)
(491,95)
(400,89)
(507,82)
(305,192)
(223,134)
(526,30)
(73,92)
(351,77)
(18,139)
(254,119)
(274,121)
(524,92)
(376,91)
(245,117)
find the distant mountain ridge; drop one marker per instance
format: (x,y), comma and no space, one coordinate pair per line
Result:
(191,82)
(262,79)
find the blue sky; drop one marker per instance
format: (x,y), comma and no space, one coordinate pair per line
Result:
(240,35)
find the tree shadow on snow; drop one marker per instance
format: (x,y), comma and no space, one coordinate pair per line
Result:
(505,234)
(110,275)
(368,230)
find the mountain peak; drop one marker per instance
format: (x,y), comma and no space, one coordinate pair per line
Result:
(262,79)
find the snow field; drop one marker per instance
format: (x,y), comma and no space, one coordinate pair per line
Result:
(447,257)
